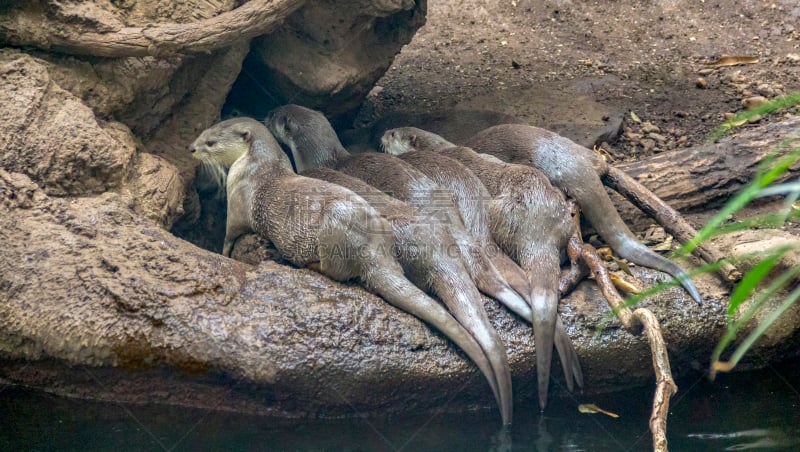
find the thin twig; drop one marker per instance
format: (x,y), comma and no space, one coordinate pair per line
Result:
(634,322)
(672,221)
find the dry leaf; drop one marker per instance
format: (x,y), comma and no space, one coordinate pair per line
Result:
(734,61)
(623,285)
(737,123)
(635,117)
(603,154)
(591,408)
(604,253)
(623,265)
(666,245)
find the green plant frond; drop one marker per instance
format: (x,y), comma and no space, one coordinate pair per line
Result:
(751,280)
(708,268)
(762,179)
(751,339)
(771,220)
(733,329)
(780,189)
(636,298)
(772,106)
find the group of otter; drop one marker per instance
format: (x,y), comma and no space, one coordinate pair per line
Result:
(428,218)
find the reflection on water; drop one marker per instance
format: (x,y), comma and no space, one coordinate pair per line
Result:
(737,412)
(751,439)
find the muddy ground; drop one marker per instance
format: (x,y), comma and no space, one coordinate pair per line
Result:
(579,66)
(582,67)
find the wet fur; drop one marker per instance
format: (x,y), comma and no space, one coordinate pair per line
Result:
(312,221)
(311,138)
(532,222)
(576,171)
(425,251)
(471,198)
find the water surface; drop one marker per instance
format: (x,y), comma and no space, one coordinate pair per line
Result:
(755,410)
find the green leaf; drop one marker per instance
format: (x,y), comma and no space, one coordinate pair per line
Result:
(779,103)
(751,339)
(751,280)
(762,179)
(732,330)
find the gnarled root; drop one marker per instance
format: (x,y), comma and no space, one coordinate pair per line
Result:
(635,321)
(254,18)
(672,221)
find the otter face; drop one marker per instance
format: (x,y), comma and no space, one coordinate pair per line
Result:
(405,139)
(282,127)
(305,133)
(399,141)
(223,143)
(395,142)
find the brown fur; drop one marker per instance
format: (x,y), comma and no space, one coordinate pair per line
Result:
(313,142)
(531,221)
(576,171)
(311,221)
(470,197)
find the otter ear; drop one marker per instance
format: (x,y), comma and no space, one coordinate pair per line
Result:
(243,132)
(289,123)
(412,140)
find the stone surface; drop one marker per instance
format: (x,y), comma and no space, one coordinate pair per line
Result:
(327,56)
(88,282)
(50,135)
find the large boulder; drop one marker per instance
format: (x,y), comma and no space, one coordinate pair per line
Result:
(93,291)
(327,56)
(98,298)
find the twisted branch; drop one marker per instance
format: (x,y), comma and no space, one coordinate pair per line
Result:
(670,219)
(633,322)
(254,18)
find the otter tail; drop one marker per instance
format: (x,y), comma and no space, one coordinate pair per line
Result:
(542,265)
(459,294)
(566,351)
(367,240)
(574,170)
(511,273)
(544,304)
(397,290)
(569,358)
(602,214)
(486,276)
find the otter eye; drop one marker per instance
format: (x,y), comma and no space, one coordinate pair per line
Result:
(287,123)
(210,143)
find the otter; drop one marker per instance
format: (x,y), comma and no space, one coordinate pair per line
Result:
(469,196)
(576,171)
(325,226)
(530,219)
(313,144)
(420,236)
(430,259)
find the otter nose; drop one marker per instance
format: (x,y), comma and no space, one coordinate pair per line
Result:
(192,148)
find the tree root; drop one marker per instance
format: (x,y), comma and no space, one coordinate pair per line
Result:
(669,218)
(254,18)
(634,322)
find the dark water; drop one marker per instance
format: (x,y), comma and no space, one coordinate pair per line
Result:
(748,411)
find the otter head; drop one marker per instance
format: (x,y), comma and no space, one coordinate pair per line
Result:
(406,139)
(223,143)
(217,148)
(306,133)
